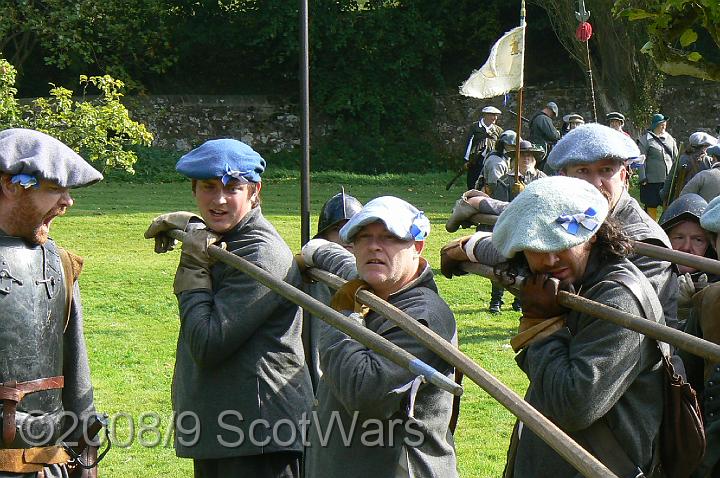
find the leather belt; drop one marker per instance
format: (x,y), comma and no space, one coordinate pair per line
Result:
(12,392)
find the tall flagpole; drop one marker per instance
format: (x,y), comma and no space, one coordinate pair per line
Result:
(518,186)
(305,99)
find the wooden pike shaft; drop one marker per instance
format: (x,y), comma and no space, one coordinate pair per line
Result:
(573,453)
(363,335)
(700,263)
(663,333)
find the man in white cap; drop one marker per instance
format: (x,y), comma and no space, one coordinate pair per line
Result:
(693,160)
(542,130)
(480,142)
(361,391)
(45,391)
(600,382)
(616,121)
(600,156)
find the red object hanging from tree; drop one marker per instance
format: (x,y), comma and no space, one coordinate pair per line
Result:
(584,31)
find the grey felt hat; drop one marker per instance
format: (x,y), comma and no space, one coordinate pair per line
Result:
(32,154)
(400,217)
(700,138)
(710,220)
(552,214)
(592,142)
(552,106)
(615,115)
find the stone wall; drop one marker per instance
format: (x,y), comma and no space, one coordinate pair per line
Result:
(272,124)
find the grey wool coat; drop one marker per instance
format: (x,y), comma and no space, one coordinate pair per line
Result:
(658,161)
(705,183)
(594,370)
(240,353)
(359,386)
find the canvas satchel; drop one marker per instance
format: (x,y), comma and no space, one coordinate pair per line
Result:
(682,433)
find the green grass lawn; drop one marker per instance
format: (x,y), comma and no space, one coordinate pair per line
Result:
(131,319)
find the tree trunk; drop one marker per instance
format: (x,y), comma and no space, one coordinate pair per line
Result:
(625,79)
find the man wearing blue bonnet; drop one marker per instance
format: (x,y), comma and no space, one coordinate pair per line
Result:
(408,420)
(44,371)
(600,382)
(239,368)
(598,155)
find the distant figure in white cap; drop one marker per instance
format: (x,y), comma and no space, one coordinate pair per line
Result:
(45,376)
(660,150)
(570,122)
(693,160)
(388,236)
(616,121)
(480,142)
(585,373)
(542,130)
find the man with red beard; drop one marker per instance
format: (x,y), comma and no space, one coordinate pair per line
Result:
(44,372)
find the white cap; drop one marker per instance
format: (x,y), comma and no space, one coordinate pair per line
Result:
(702,139)
(400,217)
(491,110)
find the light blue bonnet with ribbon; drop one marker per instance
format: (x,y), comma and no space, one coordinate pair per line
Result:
(400,217)
(552,214)
(592,142)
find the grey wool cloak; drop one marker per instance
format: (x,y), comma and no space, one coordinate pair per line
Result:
(363,388)
(240,358)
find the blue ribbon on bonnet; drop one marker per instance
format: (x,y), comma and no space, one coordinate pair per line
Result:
(420,227)
(25,180)
(233,174)
(572,222)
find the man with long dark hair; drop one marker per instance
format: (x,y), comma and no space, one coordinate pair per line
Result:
(599,382)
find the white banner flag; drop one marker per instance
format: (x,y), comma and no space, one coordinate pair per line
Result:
(503,71)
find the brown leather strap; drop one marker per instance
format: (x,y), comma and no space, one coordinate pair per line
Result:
(29,460)
(12,392)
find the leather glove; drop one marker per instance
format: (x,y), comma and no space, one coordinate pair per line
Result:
(345,301)
(165,222)
(193,271)
(452,255)
(538,295)
(687,288)
(303,266)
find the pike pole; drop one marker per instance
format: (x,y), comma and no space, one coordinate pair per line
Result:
(363,335)
(663,333)
(573,453)
(700,263)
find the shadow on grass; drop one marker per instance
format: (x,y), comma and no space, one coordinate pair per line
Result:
(477,334)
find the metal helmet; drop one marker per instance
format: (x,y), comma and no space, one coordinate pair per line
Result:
(686,207)
(508,137)
(338,208)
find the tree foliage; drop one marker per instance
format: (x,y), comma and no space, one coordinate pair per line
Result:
(99,128)
(676,29)
(121,38)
